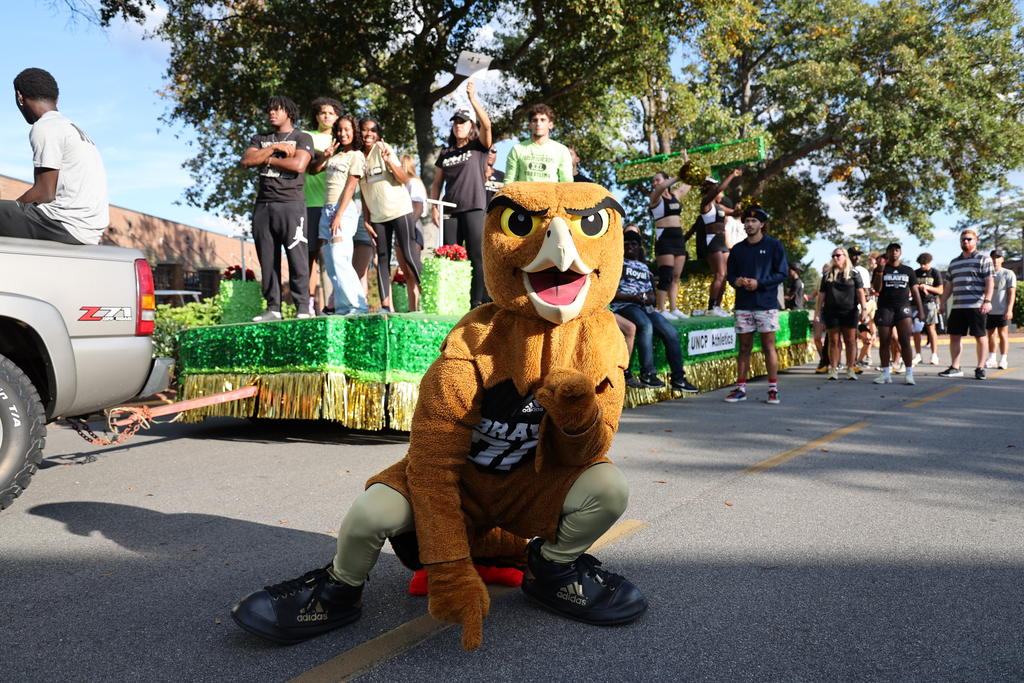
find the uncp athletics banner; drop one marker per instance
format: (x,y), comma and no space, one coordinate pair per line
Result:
(709,341)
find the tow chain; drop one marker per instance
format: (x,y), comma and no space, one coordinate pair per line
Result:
(134,418)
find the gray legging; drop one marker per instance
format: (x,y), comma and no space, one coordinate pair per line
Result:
(467,228)
(404,230)
(596,499)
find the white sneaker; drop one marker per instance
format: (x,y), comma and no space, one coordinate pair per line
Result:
(898,368)
(667,315)
(719,312)
(991,362)
(680,315)
(917,359)
(884,378)
(303,315)
(851,374)
(935,359)
(1004,363)
(909,379)
(267,316)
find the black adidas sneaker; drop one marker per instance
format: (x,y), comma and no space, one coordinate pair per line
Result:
(296,610)
(581,590)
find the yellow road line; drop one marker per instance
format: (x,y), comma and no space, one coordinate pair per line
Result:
(928,399)
(365,656)
(800,450)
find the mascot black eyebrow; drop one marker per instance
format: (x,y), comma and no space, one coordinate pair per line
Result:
(509,438)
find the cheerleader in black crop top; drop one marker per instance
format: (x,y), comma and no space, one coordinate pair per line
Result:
(665,205)
(710,228)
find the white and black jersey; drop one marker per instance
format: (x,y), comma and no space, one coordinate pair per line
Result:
(509,427)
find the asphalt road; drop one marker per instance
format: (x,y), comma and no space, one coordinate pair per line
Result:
(881,538)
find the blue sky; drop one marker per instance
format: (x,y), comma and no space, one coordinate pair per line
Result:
(109,82)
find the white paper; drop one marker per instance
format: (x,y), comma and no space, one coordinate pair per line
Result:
(472,62)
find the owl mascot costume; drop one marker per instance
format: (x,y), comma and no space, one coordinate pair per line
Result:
(509,439)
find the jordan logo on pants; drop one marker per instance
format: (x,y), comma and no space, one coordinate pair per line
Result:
(300,234)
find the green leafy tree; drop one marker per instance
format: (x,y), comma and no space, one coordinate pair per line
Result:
(999,221)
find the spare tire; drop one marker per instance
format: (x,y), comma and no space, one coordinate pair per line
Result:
(22,431)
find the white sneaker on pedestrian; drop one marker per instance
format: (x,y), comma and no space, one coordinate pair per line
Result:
(898,368)
(851,373)
(917,359)
(833,373)
(935,359)
(909,379)
(884,378)
(680,315)
(991,362)
(719,312)
(1004,363)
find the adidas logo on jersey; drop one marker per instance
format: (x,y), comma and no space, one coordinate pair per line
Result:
(533,407)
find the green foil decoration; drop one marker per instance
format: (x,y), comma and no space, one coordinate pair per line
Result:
(718,156)
(241,300)
(399,298)
(444,286)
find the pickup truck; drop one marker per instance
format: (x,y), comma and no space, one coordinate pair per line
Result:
(75,326)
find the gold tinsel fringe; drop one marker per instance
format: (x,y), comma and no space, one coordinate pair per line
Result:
(402,397)
(197,386)
(693,294)
(291,395)
(364,406)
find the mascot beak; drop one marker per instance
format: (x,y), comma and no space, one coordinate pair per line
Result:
(557,279)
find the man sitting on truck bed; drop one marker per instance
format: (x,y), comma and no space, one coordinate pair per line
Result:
(68,200)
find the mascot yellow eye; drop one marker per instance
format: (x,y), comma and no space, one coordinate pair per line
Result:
(593,226)
(517,223)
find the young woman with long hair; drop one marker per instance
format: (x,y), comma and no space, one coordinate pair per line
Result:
(711,246)
(670,244)
(387,209)
(342,214)
(461,170)
(838,297)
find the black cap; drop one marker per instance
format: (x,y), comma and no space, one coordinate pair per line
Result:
(854,251)
(631,236)
(894,245)
(756,212)
(996,253)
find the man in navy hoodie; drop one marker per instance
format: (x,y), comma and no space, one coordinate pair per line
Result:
(756,268)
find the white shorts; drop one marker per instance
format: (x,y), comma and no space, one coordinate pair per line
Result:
(756,321)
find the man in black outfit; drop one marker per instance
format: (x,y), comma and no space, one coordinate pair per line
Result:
(279,218)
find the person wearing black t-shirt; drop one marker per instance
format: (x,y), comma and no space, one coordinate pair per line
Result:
(279,217)
(460,170)
(929,282)
(838,297)
(494,179)
(897,285)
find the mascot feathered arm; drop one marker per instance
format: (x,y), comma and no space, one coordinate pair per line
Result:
(447,409)
(581,419)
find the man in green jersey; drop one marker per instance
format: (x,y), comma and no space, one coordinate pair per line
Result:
(540,159)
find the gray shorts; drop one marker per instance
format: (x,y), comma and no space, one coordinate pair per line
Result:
(931,312)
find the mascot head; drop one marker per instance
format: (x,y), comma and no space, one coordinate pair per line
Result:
(553,250)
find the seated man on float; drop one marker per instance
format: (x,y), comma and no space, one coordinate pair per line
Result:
(634,301)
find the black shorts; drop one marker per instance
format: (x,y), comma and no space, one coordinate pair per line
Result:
(28,222)
(846,320)
(995,320)
(716,244)
(670,242)
(966,321)
(887,316)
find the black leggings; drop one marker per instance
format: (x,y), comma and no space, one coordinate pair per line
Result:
(404,230)
(467,228)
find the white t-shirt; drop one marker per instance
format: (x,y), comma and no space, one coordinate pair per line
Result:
(418,193)
(80,204)
(865,279)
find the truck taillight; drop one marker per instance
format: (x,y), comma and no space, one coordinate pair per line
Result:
(145,303)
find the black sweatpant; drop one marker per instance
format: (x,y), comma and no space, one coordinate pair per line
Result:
(467,228)
(276,225)
(403,229)
(27,221)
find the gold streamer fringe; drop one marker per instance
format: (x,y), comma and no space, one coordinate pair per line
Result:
(197,386)
(363,406)
(693,294)
(402,397)
(291,395)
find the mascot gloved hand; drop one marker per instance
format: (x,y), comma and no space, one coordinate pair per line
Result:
(458,594)
(570,400)
(509,438)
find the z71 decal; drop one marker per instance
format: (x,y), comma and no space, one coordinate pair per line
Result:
(95,314)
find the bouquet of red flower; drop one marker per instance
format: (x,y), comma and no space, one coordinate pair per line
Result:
(452,252)
(235,273)
(399,277)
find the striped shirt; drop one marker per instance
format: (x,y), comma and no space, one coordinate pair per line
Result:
(967,275)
